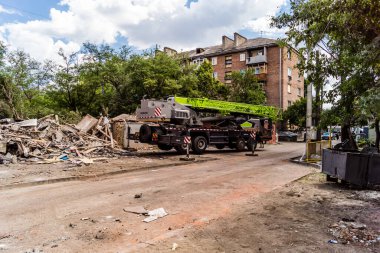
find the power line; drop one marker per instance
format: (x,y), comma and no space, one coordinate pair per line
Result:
(24,11)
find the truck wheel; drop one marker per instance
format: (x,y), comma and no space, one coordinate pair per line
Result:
(199,144)
(181,149)
(145,135)
(219,146)
(165,147)
(240,144)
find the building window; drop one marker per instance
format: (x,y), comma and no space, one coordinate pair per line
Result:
(257,70)
(289,54)
(289,74)
(289,103)
(198,61)
(215,75)
(228,61)
(227,75)
(289,88)
(242,57)
(214,61)
(299,91)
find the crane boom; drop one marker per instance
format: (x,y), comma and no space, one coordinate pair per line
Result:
(230,107)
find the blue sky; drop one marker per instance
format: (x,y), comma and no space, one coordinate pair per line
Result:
(28,9)
(42,27)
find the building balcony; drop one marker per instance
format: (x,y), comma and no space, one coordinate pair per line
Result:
(257,59)
(262,76)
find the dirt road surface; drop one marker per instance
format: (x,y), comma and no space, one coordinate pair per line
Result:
(234,204)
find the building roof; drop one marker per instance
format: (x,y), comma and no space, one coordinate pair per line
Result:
(218,49)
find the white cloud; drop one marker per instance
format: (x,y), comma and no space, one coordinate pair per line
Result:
(7,11)
(262,24)
(143,22)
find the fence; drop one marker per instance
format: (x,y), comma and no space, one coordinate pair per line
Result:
(314,150)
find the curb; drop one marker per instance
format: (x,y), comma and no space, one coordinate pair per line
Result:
(79,178)
(296,160)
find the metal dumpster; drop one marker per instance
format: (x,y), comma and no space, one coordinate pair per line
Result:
(374,170)
(356,168)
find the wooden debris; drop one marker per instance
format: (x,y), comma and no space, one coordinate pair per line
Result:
(87,123)
(46,141)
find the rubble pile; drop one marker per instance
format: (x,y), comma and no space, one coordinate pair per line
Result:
(347,232)
(47,141)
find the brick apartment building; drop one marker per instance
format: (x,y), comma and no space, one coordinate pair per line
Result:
(273,65)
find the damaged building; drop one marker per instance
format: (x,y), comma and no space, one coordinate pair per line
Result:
(274,66)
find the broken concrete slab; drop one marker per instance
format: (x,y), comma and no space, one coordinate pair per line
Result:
(6,121)
(136,210)
(86,161)
(28,123)
(3,147)
(155,214)
(125,117)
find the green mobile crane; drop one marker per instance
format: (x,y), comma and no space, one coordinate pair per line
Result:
(207,122)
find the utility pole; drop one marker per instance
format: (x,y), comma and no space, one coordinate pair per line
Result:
(309,110)
(309,106)
(318,86)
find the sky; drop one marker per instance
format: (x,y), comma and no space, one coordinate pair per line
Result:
(42,27)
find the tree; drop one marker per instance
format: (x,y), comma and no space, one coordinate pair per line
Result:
(368,107)
(295,114)
(245,88)
(189,81)
(64,89)
(209,86)
(95,74)
(348,34)
(22,81)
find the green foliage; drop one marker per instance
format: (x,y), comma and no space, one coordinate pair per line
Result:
(5,110)
(245,88)
(70,117)
(347,32)
(21,81)
(208,86)
(330,117)
(296,113)
(103,80)
(368,104)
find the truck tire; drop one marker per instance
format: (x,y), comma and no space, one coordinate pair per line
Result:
(145,135)
(181,149)
(240,144)
(199,144)
(220,146)
(165,147)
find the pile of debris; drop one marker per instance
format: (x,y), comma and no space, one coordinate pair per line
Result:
(347,231)
(47,141)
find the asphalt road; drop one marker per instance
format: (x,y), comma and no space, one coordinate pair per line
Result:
(88,216)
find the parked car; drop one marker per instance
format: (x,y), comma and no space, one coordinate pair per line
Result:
(336,133)
(287,136)
(325,136)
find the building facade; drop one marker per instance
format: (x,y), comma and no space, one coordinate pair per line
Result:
(274,66)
